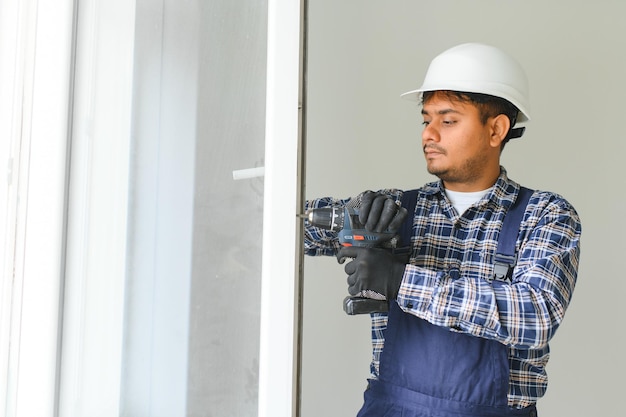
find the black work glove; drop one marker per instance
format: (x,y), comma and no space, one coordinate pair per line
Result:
(379,212)
(373,269)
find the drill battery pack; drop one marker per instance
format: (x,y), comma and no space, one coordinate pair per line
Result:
(362,305)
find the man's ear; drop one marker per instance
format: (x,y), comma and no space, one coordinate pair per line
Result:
(500,126)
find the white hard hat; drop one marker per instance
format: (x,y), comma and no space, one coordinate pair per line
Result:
(478,68)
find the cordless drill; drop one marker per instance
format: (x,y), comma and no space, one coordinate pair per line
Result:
(351,232)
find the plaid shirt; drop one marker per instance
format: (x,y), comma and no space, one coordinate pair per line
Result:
(445,280)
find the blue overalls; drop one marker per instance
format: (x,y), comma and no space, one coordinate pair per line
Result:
(473,381)
(414,381)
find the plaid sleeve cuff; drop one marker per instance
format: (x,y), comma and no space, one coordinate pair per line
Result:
(417,289)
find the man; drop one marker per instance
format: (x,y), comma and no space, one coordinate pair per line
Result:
(456,341)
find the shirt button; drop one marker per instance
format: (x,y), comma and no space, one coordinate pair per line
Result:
(454,273)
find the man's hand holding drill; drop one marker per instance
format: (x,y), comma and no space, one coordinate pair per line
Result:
(379,212)
(375,269)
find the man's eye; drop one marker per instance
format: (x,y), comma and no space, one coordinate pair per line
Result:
(425,123)
(449,122)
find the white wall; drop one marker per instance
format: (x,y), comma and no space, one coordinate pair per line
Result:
(361,135)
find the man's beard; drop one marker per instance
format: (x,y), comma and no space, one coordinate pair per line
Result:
(469,171)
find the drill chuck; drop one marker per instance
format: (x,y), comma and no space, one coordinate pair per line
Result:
(330,218)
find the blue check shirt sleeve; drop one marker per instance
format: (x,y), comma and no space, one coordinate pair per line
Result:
(523,314)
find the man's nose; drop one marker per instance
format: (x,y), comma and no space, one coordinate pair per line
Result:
(430,134)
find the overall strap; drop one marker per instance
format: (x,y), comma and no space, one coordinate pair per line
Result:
(506,258)
(409,200)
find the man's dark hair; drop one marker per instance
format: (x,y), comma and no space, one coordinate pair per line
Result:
(488,106)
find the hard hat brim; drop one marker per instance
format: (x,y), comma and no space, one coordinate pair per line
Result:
(415,95)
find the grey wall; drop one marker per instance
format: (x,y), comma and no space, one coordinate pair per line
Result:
(361,135)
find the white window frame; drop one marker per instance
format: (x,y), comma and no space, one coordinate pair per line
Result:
(280,322)
(36,122)
(92,334)
(36,53)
